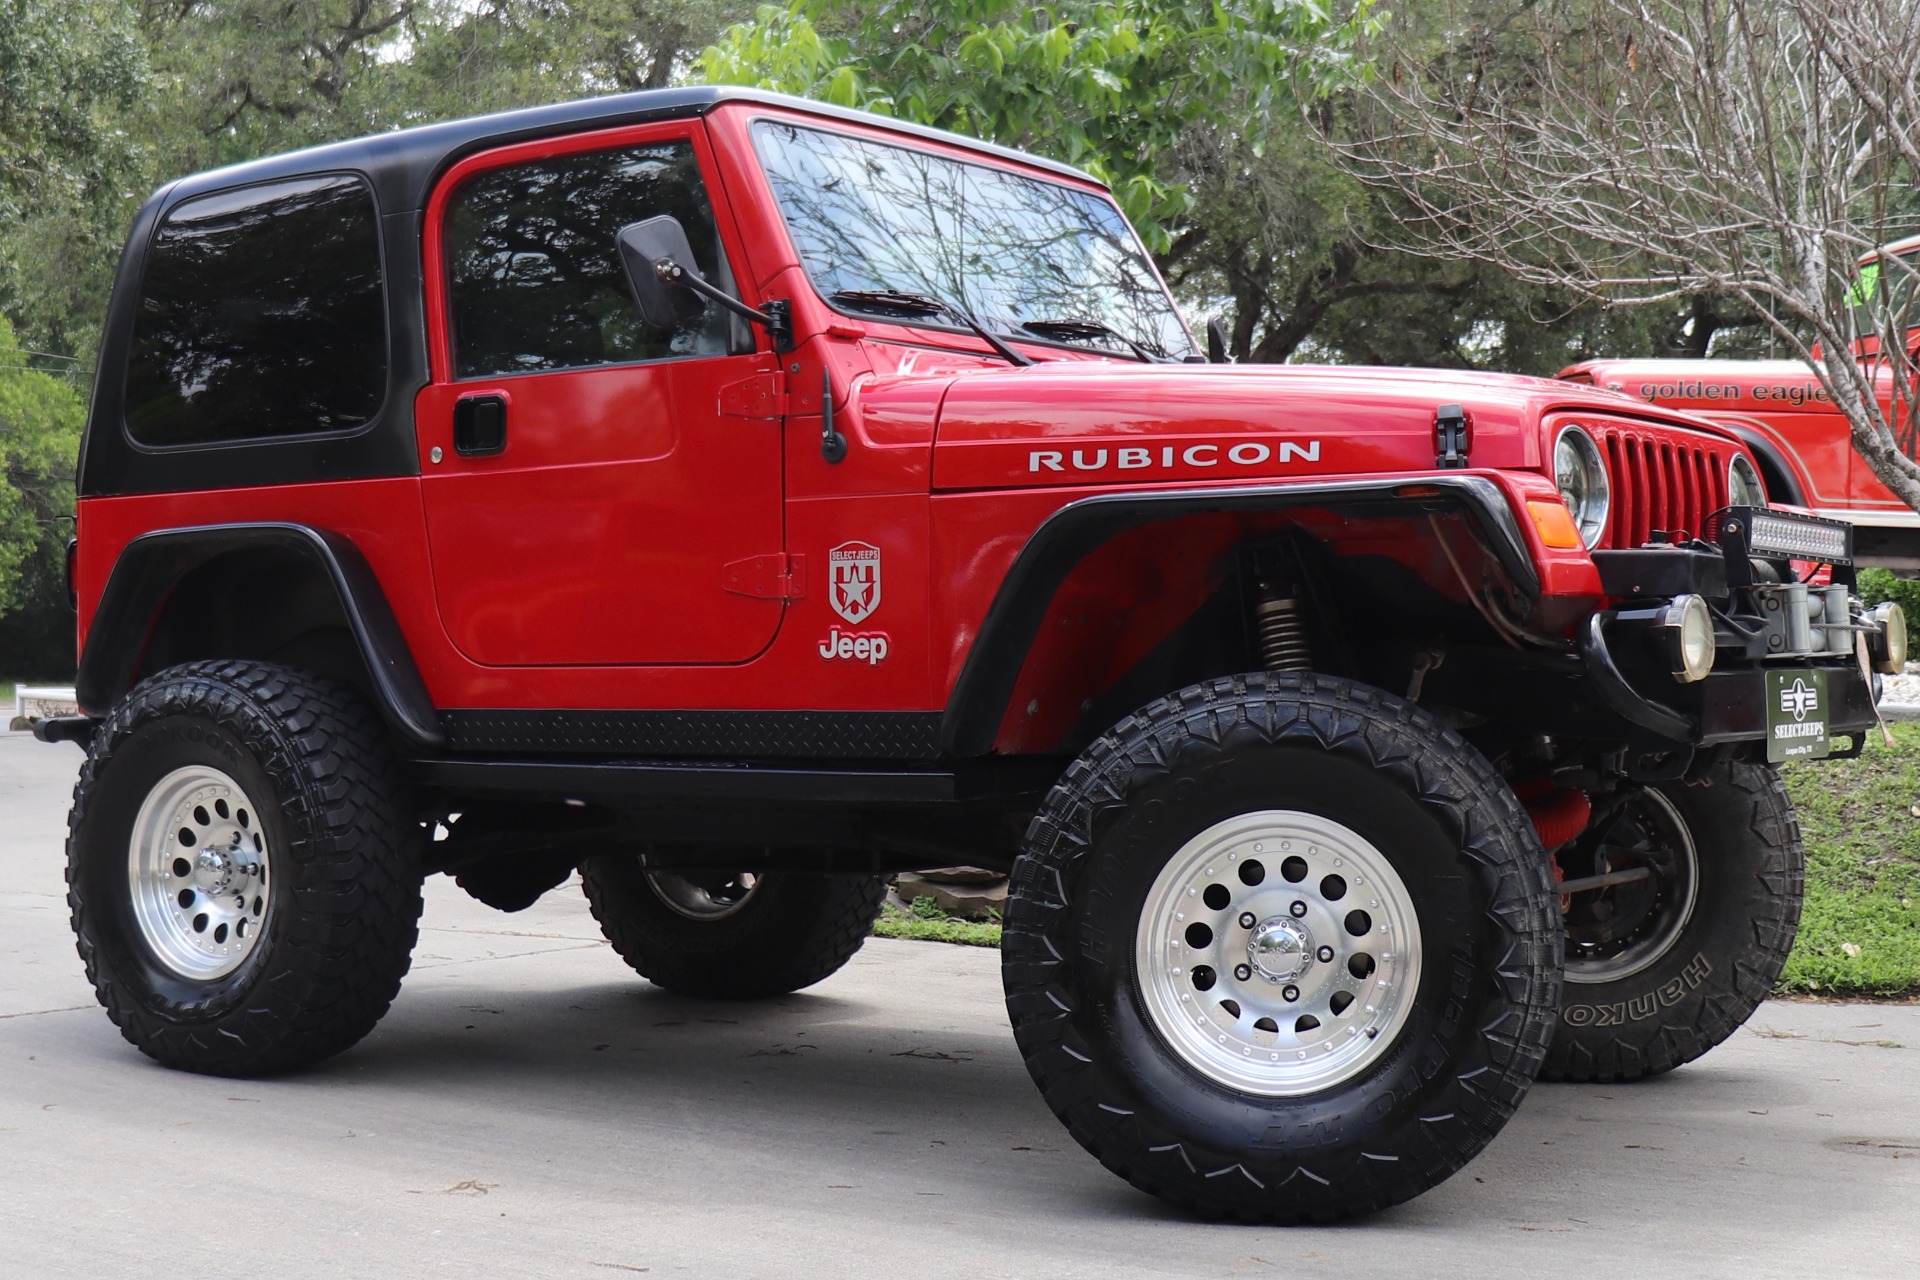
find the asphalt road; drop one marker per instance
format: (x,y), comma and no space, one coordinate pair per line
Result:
(529,1108)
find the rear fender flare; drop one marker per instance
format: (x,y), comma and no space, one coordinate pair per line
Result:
(980,697)
(152,565)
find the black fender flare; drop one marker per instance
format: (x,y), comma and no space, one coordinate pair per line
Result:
(1775,473)
(981,695)
(152,565)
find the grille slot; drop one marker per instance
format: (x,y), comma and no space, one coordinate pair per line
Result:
(1661,480)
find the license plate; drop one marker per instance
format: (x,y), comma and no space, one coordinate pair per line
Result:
(1797,715)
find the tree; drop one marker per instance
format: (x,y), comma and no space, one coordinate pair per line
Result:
(1643,152)
(69,70)
(40,418)
(1195,116)
(1110,85)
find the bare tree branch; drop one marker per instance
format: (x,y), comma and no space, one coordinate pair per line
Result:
(1642,151)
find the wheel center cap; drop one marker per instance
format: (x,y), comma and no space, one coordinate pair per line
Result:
(215,869)
(1280,949)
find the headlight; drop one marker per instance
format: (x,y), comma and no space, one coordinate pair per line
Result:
(1743,484)
(1689,628)
(1582,478)
(1889,647)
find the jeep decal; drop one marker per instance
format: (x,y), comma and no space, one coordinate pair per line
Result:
(853,580)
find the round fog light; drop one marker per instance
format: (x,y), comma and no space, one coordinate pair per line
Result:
(1689,627)
(1890,645)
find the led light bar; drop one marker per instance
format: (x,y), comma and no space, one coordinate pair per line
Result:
(1800,538)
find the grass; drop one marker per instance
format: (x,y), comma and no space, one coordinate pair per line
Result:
(1860,934)
(928,923)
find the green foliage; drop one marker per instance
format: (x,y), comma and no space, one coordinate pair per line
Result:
(70,70)
(926,922)
(1110,86)
(1860,933)
(1877,585)
(40,419)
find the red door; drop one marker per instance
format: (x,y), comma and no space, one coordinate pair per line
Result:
(584,494)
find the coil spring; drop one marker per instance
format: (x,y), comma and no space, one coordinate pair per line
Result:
(1283,635)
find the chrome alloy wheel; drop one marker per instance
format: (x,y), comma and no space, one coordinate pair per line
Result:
(697,895)
(197,872)
(1278,953)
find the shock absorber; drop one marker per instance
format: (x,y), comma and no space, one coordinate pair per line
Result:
(1282,631)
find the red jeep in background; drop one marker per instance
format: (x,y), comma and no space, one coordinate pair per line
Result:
(737,500)
(1804,446)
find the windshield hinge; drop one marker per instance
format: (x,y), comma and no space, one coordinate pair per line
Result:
(778,576)
(779,322)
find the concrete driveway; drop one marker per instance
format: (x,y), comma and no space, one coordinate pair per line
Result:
(530,1108)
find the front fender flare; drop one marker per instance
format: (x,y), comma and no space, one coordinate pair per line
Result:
(980,696)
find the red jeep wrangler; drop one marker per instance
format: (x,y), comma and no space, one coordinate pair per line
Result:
(738,499)
(1804,446)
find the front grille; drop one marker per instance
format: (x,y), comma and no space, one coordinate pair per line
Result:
(1668,481)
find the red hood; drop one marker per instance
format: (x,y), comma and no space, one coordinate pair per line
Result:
(1102,422)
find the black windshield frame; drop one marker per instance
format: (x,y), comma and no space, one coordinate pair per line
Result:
(1170,337)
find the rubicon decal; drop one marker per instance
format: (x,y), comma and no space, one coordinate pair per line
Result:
(870,647)
(853,580)
(1245,453)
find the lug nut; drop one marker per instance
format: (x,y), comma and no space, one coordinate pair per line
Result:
(1246,920)
(1289,993)
(1326,954)
(1298,909)
(1243,971)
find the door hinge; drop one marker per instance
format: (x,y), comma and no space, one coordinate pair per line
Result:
(775,577)
(761,396)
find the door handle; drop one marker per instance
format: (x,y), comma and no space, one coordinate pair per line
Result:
(480,425)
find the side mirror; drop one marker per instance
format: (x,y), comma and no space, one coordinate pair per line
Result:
(658,260)
(1216,343)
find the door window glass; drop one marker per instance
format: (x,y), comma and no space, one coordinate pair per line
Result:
(534,273)
(262,313)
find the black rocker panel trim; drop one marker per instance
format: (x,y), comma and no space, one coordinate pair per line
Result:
(694,783)
(760,735)
(152,565)
(985,688)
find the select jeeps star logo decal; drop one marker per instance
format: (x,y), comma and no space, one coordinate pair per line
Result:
(1798,698)
(853,580)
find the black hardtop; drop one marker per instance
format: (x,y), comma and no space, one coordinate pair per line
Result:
(403,164)
(401,167)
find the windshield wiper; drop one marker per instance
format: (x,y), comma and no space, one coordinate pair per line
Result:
(1081,331)
(900,303)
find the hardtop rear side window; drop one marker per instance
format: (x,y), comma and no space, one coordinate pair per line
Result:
(262,313)
(534,273)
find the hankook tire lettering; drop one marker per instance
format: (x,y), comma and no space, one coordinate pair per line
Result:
(1641,1007)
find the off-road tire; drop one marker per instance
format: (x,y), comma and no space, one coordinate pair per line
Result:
(1727,957)
(345,866)
(796,929)
(1486,997)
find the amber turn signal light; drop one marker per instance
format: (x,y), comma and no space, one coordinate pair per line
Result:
(1555,524)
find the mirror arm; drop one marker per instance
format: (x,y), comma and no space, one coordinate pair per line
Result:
(776,317)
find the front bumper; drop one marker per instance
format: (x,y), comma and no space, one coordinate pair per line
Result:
(1590,695)
(1727,706)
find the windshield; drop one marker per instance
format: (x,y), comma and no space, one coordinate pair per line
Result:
(1882,298)
(869,217)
